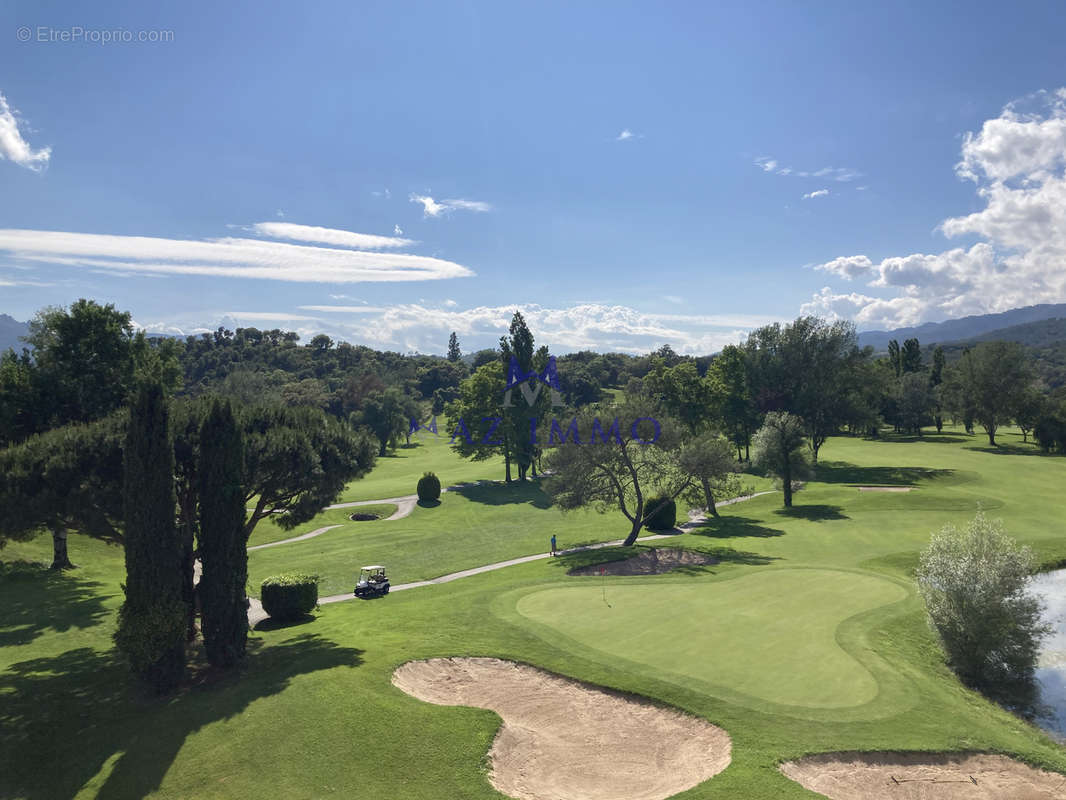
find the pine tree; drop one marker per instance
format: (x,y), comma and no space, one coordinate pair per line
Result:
(454,354)
(151,630)
(223,544)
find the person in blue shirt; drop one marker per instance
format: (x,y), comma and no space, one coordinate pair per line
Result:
(553,544)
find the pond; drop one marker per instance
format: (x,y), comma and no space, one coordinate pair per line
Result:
(1051,668)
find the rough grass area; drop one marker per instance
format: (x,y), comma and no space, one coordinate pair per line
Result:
(313,713)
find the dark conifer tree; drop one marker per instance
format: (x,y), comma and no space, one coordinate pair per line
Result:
(223,543)
(151,631)
(454,353)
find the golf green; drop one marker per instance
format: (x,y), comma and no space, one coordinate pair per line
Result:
(771,635)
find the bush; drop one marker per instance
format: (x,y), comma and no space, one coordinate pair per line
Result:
(663,511)
(975,586)
(428,488)
(290,596)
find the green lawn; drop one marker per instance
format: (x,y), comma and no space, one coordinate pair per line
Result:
(807,637)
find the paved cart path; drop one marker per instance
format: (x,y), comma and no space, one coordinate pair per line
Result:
(255,608)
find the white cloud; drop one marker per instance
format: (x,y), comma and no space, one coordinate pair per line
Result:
(433,208)
(227,257)
(627,135)
(419,327)
(13,146)
(818,193)
(842,174)
(267,316)
(333,236)
(450,303)
(1018,163)
(397,230)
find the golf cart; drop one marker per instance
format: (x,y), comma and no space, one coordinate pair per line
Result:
(372,582)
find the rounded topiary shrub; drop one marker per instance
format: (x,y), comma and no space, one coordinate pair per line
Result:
(428,488)
(289,596)
(665,517)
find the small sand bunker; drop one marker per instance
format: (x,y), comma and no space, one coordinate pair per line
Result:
(924,776)
(564,740)
(648,562)
(885,488)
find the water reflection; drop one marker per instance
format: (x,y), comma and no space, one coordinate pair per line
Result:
(1051,668)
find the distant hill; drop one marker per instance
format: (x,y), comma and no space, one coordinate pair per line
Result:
(10,331)
(965,328)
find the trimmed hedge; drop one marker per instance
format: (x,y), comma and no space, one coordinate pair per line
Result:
(290,596)
(428,487)
(665,518)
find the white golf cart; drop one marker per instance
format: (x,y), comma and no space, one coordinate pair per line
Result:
(372,582)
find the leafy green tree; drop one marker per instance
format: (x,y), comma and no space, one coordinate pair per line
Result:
(151,627)
(1031,407)
(383,415)
(936,379)
(809,368)
(732,402)
(995,377)
(222,540)
(914,401)
(516,416)
(454,353)
(975,585)
(708,460)
(19,404)
(779,449)
(619,463)
(682,393)
(471,415)
(910,357)
(894,357)
(65,479)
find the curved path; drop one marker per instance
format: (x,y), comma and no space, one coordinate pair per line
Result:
(255,608)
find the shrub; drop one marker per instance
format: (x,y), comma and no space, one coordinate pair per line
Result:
(428,487)
(289,596)
(974,582)
(662,511)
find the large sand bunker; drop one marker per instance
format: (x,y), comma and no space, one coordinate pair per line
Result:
(924,776)
(564,740)
(648,562)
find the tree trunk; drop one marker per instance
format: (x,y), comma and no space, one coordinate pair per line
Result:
(634,533)
(787,478)
(381,450)
(60,559)
(188,587)
(939,423)
(506,461)
(708,497)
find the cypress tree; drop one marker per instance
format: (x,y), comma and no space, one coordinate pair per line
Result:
(223,543)
(151,630)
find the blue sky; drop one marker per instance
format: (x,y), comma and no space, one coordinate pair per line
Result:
(627,174)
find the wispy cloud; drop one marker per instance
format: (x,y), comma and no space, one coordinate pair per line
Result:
(842,174)
(333,236)
(231,257)
(397,230)
(434,208)
(13,146)
(818,193)
(626,135)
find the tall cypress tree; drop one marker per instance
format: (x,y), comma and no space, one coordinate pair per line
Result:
(223,544)
(151,630)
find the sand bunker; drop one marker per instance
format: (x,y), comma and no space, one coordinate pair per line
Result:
(885,488)
(648,562)
(564,740)
(924,776)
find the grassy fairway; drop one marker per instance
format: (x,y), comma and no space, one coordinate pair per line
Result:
(807,637)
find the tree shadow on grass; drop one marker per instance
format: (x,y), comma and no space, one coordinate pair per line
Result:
(78,720)
(729,526)
(495,494)
(813,513)
(36,599)
(427,503)
(1011,450)
(843,472)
